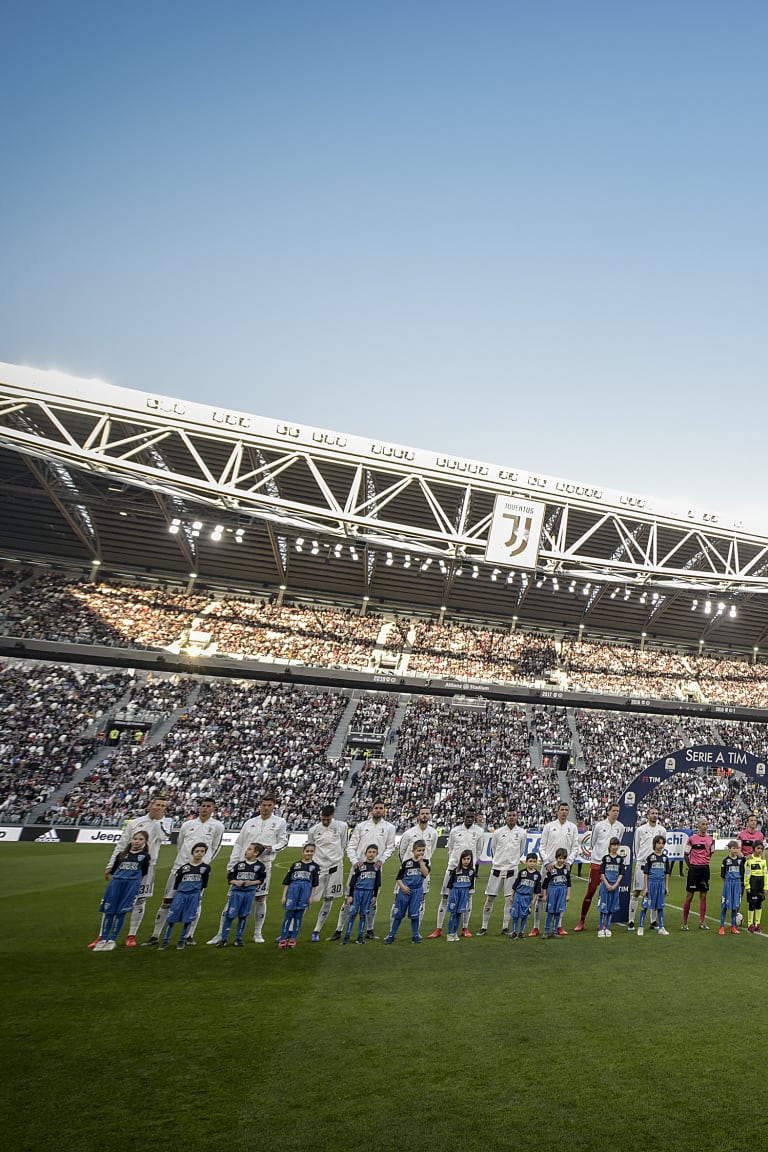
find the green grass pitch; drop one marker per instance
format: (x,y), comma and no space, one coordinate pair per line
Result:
(573,1044)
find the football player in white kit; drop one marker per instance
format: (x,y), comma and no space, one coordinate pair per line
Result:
(330,839)
(558,833)
(271,832)
(201,829)
(507,849)
(641,849)
(375,830)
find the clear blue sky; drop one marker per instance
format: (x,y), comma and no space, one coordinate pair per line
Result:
(528,232)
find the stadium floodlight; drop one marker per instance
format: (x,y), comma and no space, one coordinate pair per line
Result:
(459,571)
(510,577)
(732,612)
(694,605)
(572,586)
(407,561)
(475,571)
(217,533)
(707,607)
(315,547)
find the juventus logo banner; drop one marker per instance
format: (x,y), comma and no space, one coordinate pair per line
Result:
(515,532)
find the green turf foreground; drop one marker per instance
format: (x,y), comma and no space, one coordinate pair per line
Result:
(568,1044)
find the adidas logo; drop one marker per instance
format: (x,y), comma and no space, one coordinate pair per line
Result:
(48,837)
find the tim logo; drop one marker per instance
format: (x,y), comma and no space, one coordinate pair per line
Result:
(520,533)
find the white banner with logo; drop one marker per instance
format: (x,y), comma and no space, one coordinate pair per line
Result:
(515,532)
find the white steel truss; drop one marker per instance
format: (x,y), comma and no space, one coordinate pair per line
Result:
(304,480)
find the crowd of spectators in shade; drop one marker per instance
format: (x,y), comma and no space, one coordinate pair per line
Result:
(373,715)
(57,607)
(234,739)
(49,715)
(237,740)
(550,728)
(453,756)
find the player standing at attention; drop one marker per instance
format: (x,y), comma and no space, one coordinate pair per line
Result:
(375,830)
(410,881)
(611,872)
(732,872)
(656,870)
(203,828)
(750,836)
(127,871)
(244,880)
(299,889)
(556,887)
(559,833)
(190,881)
(527,888)
(755,876)
(467,835)
(153,823)
(272,833)
(330,838)
(507,850)
(364,885)
(698,852)
(602,833)
(645,835)
(460,885)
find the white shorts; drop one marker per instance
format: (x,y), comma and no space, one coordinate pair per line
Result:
(499,876)
(639,880)
(331,885)
(148,884)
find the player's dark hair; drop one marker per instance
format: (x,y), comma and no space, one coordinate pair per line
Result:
(418,844)
(327,810)
(200,844)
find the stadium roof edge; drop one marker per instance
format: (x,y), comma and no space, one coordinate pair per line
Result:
(59,386)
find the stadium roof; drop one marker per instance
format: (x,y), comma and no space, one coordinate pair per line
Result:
(100,479)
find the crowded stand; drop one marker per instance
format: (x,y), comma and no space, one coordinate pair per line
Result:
(550,728)
(451,649)
(157,696)
(373,716)
(449,757)
(48,714)
(236,741)
(54,607)
(319,636)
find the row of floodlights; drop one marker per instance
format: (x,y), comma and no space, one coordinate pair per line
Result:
(217,534)
(708,608)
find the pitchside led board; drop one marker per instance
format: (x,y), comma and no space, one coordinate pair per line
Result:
(515,532)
